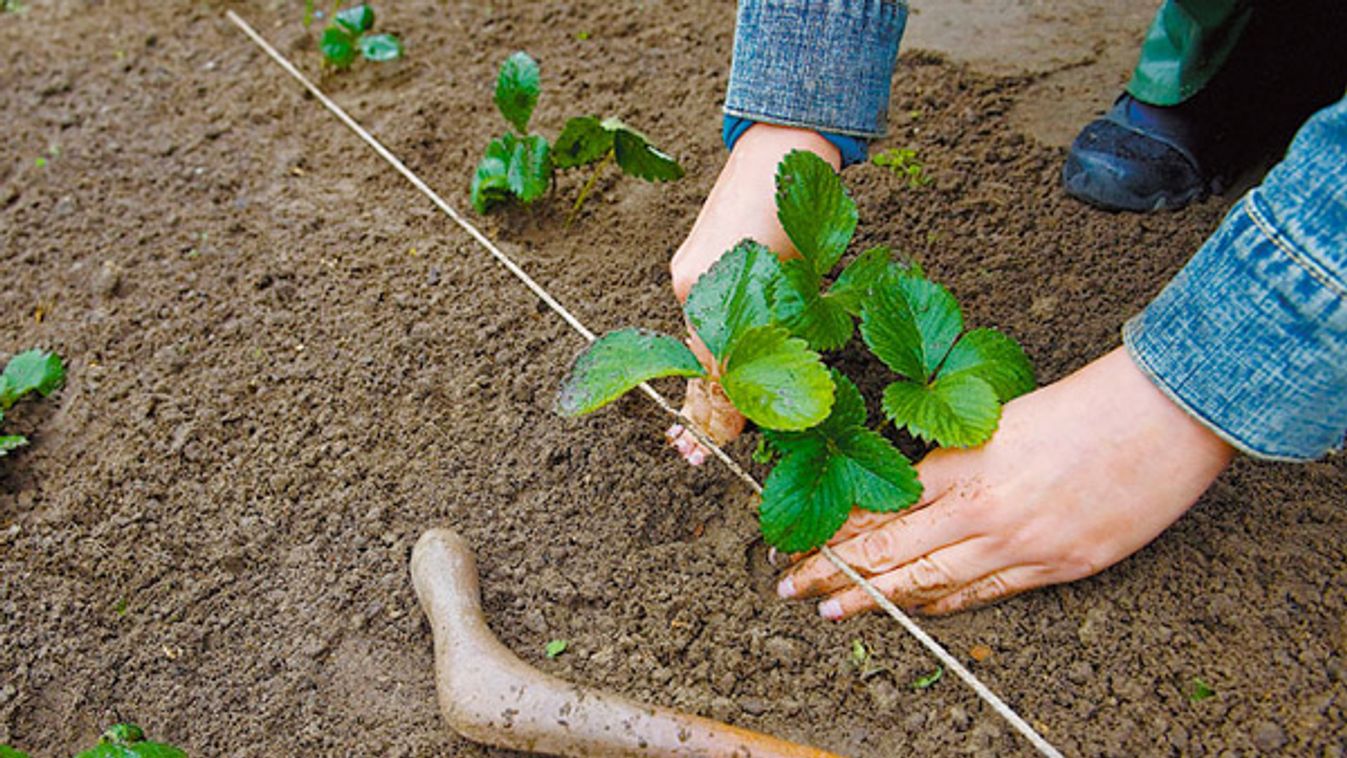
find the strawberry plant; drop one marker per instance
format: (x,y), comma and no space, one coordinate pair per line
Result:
(521,166)
(27,372)
(766,321)
(348,35)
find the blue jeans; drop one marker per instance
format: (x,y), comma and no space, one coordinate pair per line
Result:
(1250,338)
(821,65)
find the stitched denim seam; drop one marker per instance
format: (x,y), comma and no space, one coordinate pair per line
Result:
(1139,360)
(1310,267)
(768,118)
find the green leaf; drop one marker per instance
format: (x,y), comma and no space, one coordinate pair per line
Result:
(814,208)
(1200,690)
(10,443)
(517,89)
(804,500)
(491,182)
(30,371)
(8,752)
(859,277)
(733,296)
(994,358)
(583,140)
(133,750)
(637,157)
(955,411)
(882,479)
(618,361)
(848,413)
(797,303)
(910,324)
(923,682)
(338,47)
(530,170)
(776,381)
(380,47)
(555,648)
(854,464)
(356,20)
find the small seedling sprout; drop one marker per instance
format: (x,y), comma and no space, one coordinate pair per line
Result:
(520,166)
(349,35)
(555,648)
(925,682)
(904,163)
(28,372)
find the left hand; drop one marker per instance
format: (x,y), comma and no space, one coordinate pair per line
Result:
(1080,474)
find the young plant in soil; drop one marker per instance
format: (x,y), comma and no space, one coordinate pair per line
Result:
(903,163)
(765,322)
(119,741)
(349,35)
(521,166)
(27,372)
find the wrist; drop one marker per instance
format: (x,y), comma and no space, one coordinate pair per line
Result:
(742,204)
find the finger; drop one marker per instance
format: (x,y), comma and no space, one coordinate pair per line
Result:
(989,589)
(901,540)
(924,580)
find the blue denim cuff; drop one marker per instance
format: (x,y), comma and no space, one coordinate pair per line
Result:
(1251,339)
(821,64)
(853,149)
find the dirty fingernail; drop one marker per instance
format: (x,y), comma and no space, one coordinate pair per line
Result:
(697,458)
(786,588)
(830,609)
(674,431)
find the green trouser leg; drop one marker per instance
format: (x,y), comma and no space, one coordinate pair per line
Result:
(1186,45)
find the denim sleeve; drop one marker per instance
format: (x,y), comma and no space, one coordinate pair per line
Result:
(818,64)
(1251,336)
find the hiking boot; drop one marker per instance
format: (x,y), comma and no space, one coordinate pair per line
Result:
(1140,158)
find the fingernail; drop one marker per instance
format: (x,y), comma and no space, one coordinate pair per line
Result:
(674,431)
(786,588)
(697,458)
(772,556)
(830,609)
(682,445)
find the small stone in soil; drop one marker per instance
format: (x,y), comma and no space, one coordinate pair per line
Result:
(1268,736)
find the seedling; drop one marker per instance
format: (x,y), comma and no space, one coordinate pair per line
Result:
(863,662)
(555,648)
(925,682)
(27,372)
(521,166)
(1200,690)
(765,322)
(904,163)
(349,35)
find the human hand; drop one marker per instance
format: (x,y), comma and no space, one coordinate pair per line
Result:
(742,204)
(1079,475)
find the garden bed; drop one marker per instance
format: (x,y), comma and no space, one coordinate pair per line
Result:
(285,364)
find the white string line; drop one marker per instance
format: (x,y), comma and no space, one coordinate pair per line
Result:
(948,660)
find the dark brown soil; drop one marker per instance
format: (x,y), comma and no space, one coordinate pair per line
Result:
(285,364)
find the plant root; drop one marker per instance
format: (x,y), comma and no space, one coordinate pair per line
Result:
(488,695)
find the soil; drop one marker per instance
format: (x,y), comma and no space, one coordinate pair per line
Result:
(285,364)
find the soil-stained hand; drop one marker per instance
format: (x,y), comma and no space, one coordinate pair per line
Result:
(741,205)
(1080,474)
